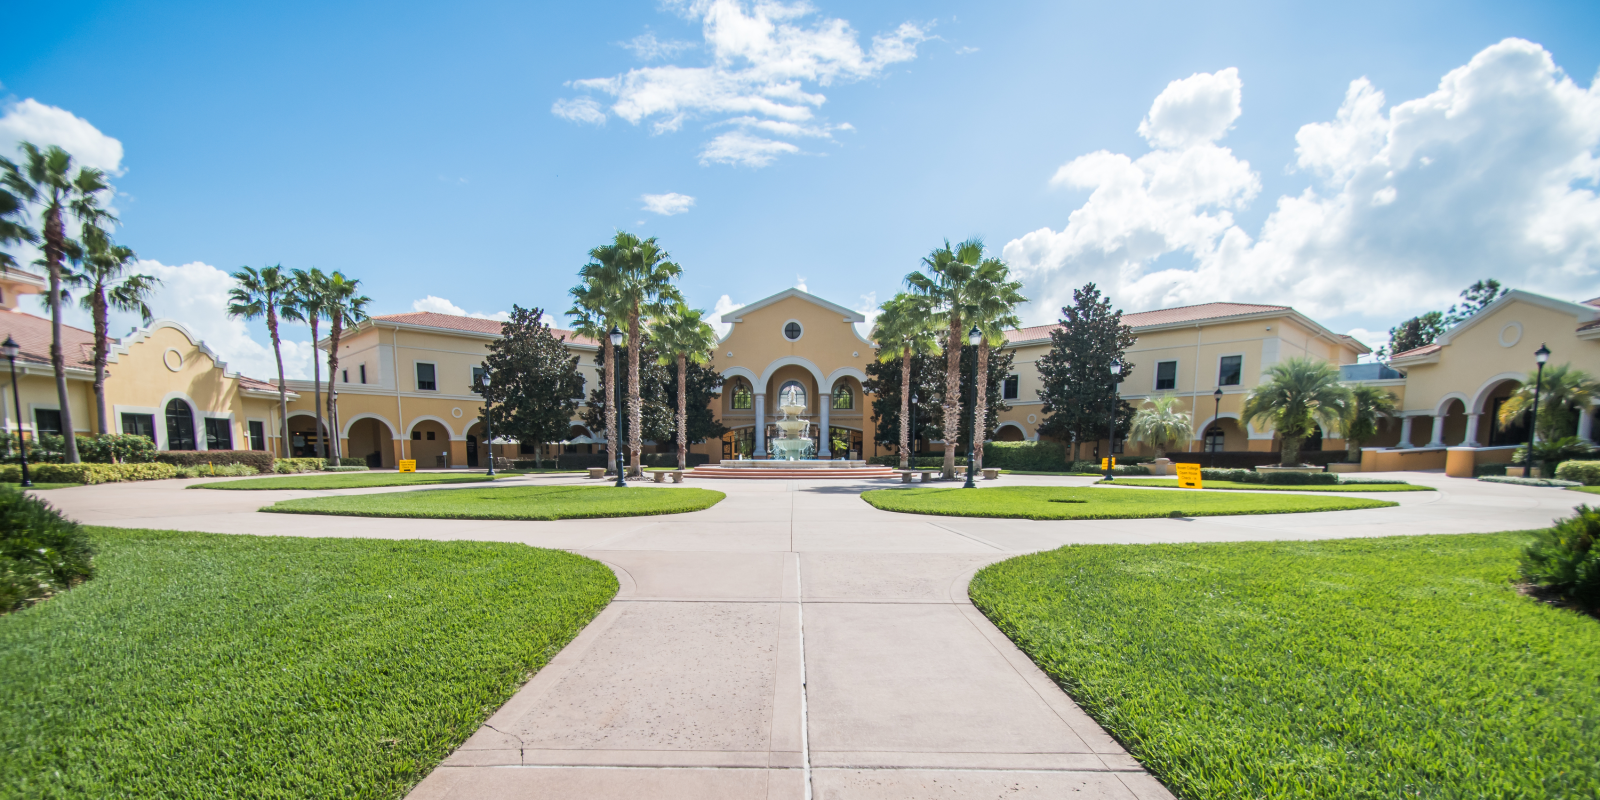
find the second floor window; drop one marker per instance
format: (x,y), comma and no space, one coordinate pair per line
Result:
(425,378)
(742,397)
(1166,375)
(363,370)
(1008,390)
(477,379)
(1231,371)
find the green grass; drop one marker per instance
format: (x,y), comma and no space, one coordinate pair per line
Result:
(1087,502)
(1585,489)
(345,480)
(1366,668)
(512,502)
(199,665)
(1172,483)
(44,486)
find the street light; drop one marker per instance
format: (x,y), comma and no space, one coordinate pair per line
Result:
(488,418)
(616,382)
(1216,417)
(10,350)
(1111,425)
(1541,355)
(974,338)
(912,463)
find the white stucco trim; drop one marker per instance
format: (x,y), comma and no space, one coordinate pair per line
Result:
(766,374)
(1444,402)
(844,372)
(1010,424)
(449,431)
(1481,397)
(1200,430)
(194,415)
(367,415)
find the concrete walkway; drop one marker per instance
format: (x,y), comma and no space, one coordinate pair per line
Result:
(795,642)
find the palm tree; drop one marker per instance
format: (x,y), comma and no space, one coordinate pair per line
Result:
(992,300)
(683,334)
(103,272)
(904,329)
(1564,390)
(344,307)
(1161,425)
(263,293)
(1298,393)
(308,303)
(1368,404)
(594,313)
(945,288)
(11,228)
(46,179)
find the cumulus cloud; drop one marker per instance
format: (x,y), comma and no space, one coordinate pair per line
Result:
(667,204)
(1490,175)
(646,47)
(868,307)
(724,305)
(33,121)
(761,59)
(439,305)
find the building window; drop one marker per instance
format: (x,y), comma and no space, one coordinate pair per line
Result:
(347,376)
(526,449)
(430,436)
(139,425)
(742,398)
(363,372)
(416,436)
(258,434)
(843,397)
(791,394)
(1008,389)
(425,378)
(1214,439)
(1166,376)
(1231,372)
(180,426)
(1116,447)
(792,330)
(47,420)
(477,379)
(219,434)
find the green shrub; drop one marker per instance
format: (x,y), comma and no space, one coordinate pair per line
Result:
(88,473)
(41,552)
(117,448)
(1547,454)
(1270,478)
(347,468)
(1584,472)
(1547,482)
(346,461)
(1027,456)
(286,466)
(1378,481)
(1563,558)
(260,459)
(1481,470)
(216,471)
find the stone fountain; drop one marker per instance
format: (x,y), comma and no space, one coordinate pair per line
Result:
(794,440)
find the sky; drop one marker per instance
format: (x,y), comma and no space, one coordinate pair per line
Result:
(1362,162)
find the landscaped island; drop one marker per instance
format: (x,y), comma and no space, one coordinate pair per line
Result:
(206,665)
(1089,502)
(514,502)
(1378,668)
(1347,486)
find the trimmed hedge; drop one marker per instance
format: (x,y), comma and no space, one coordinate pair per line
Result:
(1545,482)
(41,552)
(1481,470)
(1584,472)
(88,473)
(1270,478)
(346,461)
(1563,558)
(347,468)
(260,459)
(587,460)
(113,448)
(287,466)
(1027,456)
(1248,459)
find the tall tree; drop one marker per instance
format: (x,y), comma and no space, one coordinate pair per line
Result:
(345,306)
(13,226)
(536,384)
(945,288)
(992,300)
(260,294)
(903,328)
(1161,425)
(1080,393)
(1475,298)
(1423,329)
(894,399)
(1367,405)
(46,180)
(1565,392)
(1295,395)
(308,303)
(658,379)
(103,274)
(682,335)
(594,313)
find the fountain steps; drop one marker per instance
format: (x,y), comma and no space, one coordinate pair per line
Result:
(779,473)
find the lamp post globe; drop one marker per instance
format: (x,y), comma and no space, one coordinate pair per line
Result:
(1539,356)
(616,382)
(10,350)
(974,338)
(1216,419)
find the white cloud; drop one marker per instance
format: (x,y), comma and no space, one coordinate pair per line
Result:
(667,204)
(1491,175)
(439,305)
(761,57)
(646,47)
(869,309)
(33,121)
(724,305)
(800,283)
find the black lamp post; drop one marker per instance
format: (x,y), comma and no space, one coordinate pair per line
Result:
(1541,355)
(616,381)
(488,418)
(1111,425)
(912,464)
(10,349)
(1216,419)
(974,337)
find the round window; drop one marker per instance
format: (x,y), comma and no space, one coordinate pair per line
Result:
(791,330)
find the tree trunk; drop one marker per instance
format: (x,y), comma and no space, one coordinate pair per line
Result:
(905,408)
(283,391)
(683,411)
(54,240)
(980,405)
(101,345)
(336,447)
(609,389)
(1352,451)
(1289,452)
(952,396)
(316,387)
(635,411)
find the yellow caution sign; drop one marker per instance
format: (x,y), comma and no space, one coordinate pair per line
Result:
(1108,463)
(408,465)
(1188,476)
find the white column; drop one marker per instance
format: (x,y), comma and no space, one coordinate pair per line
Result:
(1472,431)
(826,399)
(1586,424)
(1405,431)
(761,424)
(1438,431)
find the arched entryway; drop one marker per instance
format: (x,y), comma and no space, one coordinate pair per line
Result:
(1223,435)
(1009,432)
(372,440)
(429,444)
(1514,433)
(304,437)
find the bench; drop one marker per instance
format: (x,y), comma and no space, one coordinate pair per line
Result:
(928,475)
(906,475)
(676,475)
(597,472)
(991,474)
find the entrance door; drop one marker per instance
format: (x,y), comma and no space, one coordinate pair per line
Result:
(472,451)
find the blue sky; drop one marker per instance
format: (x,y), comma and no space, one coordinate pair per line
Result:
(420,148)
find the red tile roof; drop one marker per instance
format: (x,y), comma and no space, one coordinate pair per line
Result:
(1419,351)
(1165,316)
(33,339)
(1593,302)
(451,322)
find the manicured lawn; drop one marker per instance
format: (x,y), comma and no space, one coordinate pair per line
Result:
(1172,483)
(201,665)
(43,486)
(1585,489)
(345,480)
(1088,502)
(511,502)
(1372,668)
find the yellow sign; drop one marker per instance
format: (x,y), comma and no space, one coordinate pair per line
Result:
(1188,476)
(1108,463)
(408,465)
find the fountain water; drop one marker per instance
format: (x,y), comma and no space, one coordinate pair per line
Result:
(794,441)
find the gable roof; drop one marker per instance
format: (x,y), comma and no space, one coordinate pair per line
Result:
(1584,314)
(32,335)
(849,316)
(476,325)
(1166,316)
